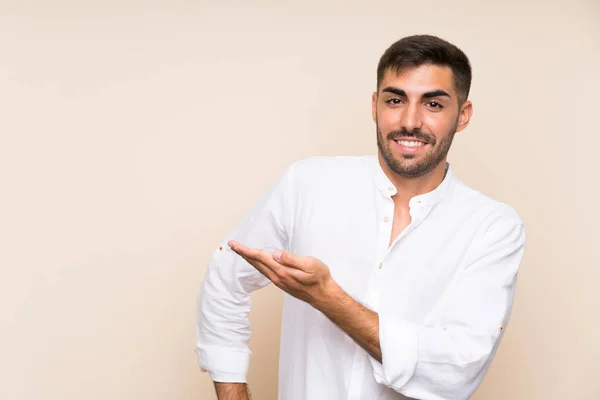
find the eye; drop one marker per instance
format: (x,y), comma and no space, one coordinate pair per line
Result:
(434,105)
(394,102)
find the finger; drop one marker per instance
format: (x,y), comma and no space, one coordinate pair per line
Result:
(298,275)
(290,260)
(263,269)
(261,260)
(243,250)
(261,256)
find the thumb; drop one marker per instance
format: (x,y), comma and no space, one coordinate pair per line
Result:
(286,258)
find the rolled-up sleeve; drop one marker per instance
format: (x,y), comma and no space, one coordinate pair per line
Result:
(447,356)
(223,329)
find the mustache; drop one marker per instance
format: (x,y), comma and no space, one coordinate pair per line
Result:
(415,133)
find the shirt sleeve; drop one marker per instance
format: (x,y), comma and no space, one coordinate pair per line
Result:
(447,356)
(223,329)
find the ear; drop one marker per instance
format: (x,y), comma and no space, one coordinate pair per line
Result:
(466,110)
(374,106)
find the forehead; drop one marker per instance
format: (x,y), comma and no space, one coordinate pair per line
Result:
(420,79)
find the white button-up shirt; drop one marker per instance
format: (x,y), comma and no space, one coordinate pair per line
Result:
(443,289)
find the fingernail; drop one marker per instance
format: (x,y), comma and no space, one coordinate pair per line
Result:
(277,254)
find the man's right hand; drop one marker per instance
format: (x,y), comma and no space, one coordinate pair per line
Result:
(231,391)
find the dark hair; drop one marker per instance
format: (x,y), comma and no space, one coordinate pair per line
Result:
(414,51)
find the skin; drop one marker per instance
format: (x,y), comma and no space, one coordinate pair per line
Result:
(232,391)
(418,104)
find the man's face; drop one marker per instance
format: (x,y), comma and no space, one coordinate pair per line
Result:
(417,113)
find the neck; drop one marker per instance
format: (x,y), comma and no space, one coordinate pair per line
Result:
(411,187)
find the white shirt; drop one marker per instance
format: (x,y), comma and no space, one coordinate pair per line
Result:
(443,290)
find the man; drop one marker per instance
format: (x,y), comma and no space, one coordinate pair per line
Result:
(399,279)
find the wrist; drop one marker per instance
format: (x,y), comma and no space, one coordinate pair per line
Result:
(330,296)
(231,391)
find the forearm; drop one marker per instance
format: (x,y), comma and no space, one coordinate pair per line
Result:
(223,330)
(232,391)
(360,323)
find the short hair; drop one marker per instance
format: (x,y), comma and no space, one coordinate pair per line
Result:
(415,51)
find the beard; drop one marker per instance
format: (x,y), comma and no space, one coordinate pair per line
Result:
(411,165)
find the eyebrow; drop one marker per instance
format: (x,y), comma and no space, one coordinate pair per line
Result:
(426,95)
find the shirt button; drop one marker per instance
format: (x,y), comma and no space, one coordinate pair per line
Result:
(380,266)
(386,219)
(390,189)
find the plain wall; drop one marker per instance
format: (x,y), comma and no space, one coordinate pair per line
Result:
(135,134)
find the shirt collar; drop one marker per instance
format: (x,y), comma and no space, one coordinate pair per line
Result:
(385,186)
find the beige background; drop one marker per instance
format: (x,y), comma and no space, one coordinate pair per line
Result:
(134,135)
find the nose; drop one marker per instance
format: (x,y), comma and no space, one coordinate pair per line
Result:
(411,117)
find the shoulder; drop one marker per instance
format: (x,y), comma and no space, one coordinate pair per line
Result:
(496,227)
(478,205)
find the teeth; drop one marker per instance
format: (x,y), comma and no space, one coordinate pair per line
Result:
(410,143)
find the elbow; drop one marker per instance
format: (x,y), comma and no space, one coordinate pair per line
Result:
(445,381)
(450,367)
(438,381)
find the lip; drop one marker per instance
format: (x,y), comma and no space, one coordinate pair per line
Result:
(408,149)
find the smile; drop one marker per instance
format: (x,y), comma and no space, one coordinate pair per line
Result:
(410,143)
